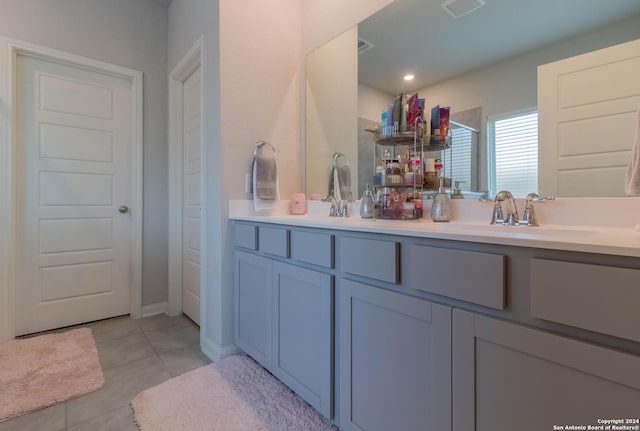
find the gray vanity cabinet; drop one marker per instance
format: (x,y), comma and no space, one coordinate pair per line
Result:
(507,376)
(252,306)
(302,333)
(395,361)
(284,310)
(439,335)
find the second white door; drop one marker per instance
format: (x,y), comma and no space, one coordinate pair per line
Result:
(191,196)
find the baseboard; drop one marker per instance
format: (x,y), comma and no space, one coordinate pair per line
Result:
(215,352)
(153,309)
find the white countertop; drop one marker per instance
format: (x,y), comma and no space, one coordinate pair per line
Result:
(617,236)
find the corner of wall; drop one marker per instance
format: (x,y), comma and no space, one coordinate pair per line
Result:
(214,351)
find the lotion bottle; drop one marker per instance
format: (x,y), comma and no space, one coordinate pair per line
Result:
(441,207)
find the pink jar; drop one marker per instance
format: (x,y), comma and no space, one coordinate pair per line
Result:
(298,204)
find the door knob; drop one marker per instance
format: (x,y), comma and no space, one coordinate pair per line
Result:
(123,209)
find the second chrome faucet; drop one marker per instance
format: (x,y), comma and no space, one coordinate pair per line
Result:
(512,218)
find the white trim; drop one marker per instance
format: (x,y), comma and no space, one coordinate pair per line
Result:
(9,50)
(189,63)
(154,309)
(214,351)
(7,203)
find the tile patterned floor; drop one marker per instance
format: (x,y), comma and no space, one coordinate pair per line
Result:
(135,355)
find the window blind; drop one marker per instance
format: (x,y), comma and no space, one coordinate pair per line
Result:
(514,143)
(460,156)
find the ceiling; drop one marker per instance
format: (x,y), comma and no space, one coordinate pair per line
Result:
(419,37)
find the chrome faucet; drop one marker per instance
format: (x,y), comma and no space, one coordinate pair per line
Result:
(338,208)
(497,217)
(339,180)
(339,187)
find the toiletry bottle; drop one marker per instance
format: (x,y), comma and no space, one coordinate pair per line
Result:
(457,192)
(441,207)
(438,167)
(366,204)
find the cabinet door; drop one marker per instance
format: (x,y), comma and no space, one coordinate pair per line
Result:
(252,306)
(395,361)
(302,338)
(507,376)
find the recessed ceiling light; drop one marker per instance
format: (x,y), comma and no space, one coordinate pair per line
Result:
(409,77)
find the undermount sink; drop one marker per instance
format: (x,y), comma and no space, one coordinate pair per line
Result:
(516,230)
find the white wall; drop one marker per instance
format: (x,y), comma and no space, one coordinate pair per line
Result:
(188,21)
(371,102)
(323,20)
(331,97)
(131,34)
(252,78)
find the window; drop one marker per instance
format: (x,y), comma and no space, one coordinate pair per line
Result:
(460,155)
(513,153)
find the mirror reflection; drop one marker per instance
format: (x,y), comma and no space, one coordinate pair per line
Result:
(483,64)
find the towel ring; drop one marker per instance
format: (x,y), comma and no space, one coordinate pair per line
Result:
(260,144)
(336,156)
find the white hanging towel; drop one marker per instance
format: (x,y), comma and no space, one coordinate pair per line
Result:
(266,193)
(632,182)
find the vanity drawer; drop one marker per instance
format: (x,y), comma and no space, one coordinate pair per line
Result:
(595,297)
(314,248)
(273,240)
(371,258)
(470,276)
(246,235)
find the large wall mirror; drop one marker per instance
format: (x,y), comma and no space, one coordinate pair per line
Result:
(482,64)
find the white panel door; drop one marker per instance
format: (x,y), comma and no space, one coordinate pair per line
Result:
(191,197)
(73,173)
(586,121)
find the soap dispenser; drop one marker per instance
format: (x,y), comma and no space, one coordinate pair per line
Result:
(441,207)
(366,204)
(457,192)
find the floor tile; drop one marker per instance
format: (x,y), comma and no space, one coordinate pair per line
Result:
(111,329)
(120,420)
(160,321)
(122,384)
(124,350)
(135,355)
(174,337)
(49,419)
(182,360)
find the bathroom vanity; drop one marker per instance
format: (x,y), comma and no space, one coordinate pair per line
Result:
(422,326)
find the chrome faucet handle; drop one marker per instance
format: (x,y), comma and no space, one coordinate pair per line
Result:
(344,209)
(339,208)
(533,197)
(496,215)
(529,216)
(512,211)
(334,211)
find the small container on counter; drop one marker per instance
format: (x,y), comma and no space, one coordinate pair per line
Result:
(298,204)
(408,210)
